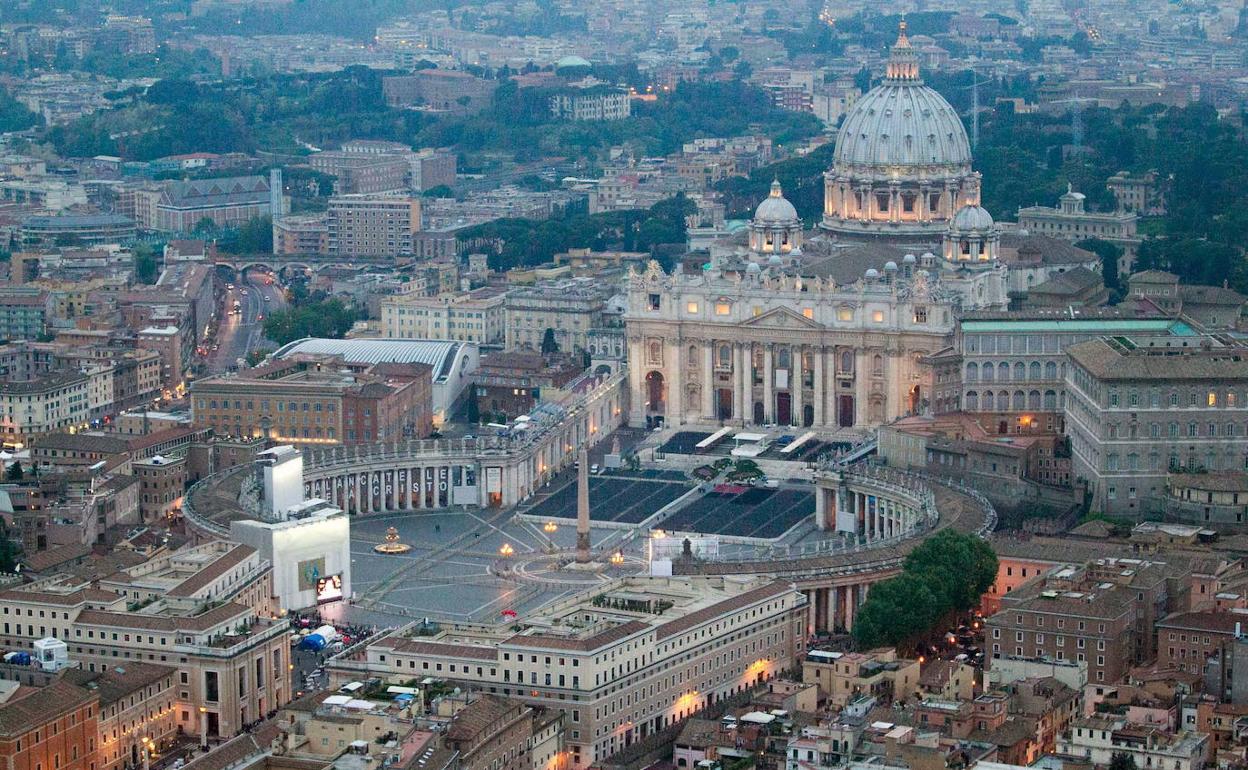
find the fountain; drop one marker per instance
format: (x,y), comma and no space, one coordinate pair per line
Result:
(392,546)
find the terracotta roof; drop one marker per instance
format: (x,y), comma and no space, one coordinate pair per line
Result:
(41,561)
(1106,361)
(83,442)
(120,681)
(42,706)
(1217,622)
(421,647)
(71,599)
(485,713)
(771,590)
(202,622)
(221,565)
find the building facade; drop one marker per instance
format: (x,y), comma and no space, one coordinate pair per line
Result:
(476,316)
(372,225)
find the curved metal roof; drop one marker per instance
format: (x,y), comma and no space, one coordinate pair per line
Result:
(440,354)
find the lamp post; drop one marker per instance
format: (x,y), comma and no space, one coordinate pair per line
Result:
(203,728)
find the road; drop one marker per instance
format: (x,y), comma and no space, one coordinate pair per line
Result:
(241,333)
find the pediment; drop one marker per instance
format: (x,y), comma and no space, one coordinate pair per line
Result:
(781,318)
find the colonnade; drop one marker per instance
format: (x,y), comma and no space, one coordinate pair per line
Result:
(873,505)
(832,608)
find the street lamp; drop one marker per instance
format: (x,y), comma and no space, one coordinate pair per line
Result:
(506,550)
(203,728)
(550,527)
(617,558)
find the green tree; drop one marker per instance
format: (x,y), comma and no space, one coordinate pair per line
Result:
(1109,254)
(957,567)
(473,407)
(13,472)
(549,345)
(438,191)
(146,269)
(325,318)
(1121,760)
(896,610)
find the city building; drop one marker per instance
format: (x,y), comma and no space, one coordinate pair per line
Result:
(843,677)
(1070,221)
(437,90)
(162,480)
(83,229)
(596,103)
(497,733)
(1140,194)
(29,409)
(136,714)
(474,316)
(57,725)
(366,225)
(362,173)
(1101,613)
(225,201)
(1097,739)
(432,168)
(568,309)
(308,400)
(1186,640)
(24,312)
(621,662)
(301,234)
(1139,408)
(452,363)
(1213,307)
(1210,499)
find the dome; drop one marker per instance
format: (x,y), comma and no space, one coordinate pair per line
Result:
(871,273)
(774,260)
(972,218)
(909,259)
(753,268)
(890,266)
(775,209)
(572,61)
(902,122)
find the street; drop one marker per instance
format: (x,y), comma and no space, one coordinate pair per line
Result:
(242,332)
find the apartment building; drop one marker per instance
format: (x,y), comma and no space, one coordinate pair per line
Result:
(301,234)
(1101,613)
(621,662)
(843,677)
(33,408)
(162,480)
(1140,408)
(474,316)
(598,103)
(24,312)
(1098,738)
(362,173)
(57,726)
(1186,640)
(136,703)
(364,225)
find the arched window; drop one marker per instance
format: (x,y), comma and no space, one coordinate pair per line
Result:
(693,355)
(1033,399)
(725,356)
(1003,371)
(1173,430)
(1050,400)
(1154,430)
(1020,371)
(1020,402)
(987,373)
(1035,370)
(1050,370)
(1003,401)
(972,372)
(972,401)
(877,365)
(656,353)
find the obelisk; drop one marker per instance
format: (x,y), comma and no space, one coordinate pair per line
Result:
(582,507)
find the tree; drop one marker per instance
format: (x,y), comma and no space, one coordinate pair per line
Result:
(1121,760)
(549,345)
(1109,254)
(145,267)
(13,472)
(438,191)
(473,407)
(896,609)
(325,318)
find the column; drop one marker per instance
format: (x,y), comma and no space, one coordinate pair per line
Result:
(820,396)
(795,388)
(769,396)
(677,361)
(710,404)
(747,384)
(850,601)
(739,374)
(636,379)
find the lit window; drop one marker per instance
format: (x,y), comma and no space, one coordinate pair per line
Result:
(844,314)
(692,307)
(1213,398)
(808,312)
(877,316)
(722,308)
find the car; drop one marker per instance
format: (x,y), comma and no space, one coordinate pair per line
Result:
(266,298)
(595,468)
(230,286)
(260,317)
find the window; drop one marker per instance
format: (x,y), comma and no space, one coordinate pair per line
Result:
(844,314)
(692,308)
(722,308)
(877,316)
(808,312)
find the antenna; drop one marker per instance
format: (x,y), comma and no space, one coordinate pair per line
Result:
(974,106)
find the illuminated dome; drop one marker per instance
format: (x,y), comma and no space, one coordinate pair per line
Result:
(971,218)
(776,227)
(902,164)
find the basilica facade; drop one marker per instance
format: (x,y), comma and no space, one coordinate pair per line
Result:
(832,329)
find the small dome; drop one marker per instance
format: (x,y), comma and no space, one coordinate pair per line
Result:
(909,259)
(890,265)
(872,273)
(774,260)
(972,218)
(1022,232)
(572,61)
(753,268)
(928,256)
(775,209)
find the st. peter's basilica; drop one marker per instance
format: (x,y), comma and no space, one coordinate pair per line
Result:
(834,328)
